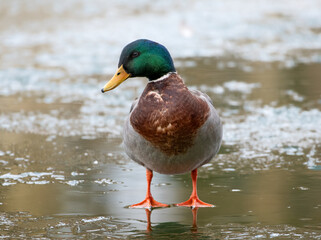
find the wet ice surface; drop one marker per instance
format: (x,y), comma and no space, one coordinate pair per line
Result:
(63,173)
(258,31)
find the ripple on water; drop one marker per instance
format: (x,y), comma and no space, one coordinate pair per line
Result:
(106,226)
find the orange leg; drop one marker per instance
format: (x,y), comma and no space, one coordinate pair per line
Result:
(149,201)
(194,201)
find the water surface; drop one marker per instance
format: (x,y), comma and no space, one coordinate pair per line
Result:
(63,173)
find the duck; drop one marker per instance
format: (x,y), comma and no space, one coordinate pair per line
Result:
(170,129)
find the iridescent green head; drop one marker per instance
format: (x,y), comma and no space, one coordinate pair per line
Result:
(145,58)
(142,58)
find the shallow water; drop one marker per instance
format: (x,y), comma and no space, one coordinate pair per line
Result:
(63,173)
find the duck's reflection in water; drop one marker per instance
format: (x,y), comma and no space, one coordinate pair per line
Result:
(159,226)
(194,227)
(149,224)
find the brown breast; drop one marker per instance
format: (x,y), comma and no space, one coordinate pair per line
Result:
(168,115)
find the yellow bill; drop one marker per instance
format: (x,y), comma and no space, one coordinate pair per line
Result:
(120,76)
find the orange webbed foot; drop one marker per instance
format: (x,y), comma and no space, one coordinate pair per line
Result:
(149,203)
(194,202)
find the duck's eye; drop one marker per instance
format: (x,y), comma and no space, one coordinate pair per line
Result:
(134,54)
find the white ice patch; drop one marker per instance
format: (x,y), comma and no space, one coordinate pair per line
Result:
(95,219)
(236,190)
(74,182)
(18,80)
(294,95)
(105,181)
(23,175)
(213,89)
(243,87)
(287,130)
(5,221)
(98,113)
(26,177)
(38,178)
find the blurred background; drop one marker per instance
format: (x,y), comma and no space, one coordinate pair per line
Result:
(63,173)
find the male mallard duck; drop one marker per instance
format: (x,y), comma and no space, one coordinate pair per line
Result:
(170,129)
